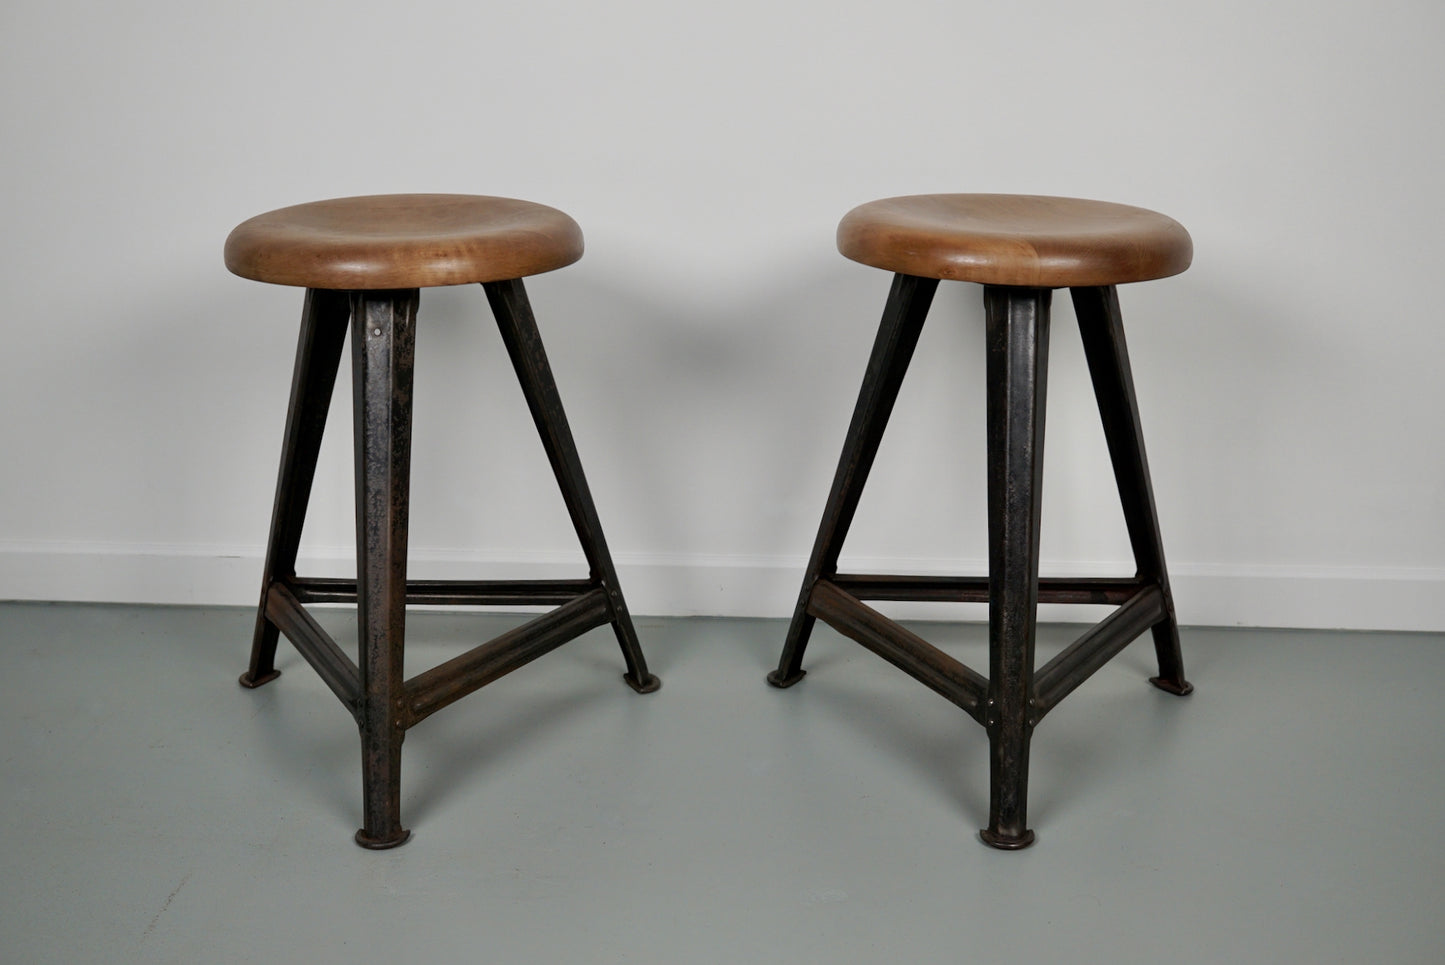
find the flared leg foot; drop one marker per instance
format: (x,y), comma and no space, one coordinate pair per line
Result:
(783,681)
(1179,688)
(398,838)
(649,683)
(251,683)
(1006,842)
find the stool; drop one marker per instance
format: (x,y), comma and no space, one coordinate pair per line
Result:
(363,261)
(1019,248)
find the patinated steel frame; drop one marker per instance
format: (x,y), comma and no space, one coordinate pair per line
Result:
(374,690)
(1015,696)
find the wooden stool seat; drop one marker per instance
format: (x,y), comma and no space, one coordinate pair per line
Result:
(1009,239)
(403,241)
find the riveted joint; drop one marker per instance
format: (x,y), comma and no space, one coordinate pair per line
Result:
(1167,603)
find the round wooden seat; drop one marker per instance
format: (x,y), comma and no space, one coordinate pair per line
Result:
(1011,239)
(403,241)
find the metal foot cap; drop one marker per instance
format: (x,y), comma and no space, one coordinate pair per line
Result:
(650,683)
(381,844)
(251,683)
(1181,689)
(777,679)
(1006,842)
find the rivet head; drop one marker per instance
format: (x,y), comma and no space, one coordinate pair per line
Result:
(376,331)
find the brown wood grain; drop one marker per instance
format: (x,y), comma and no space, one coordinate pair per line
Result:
(1009,239)
(403,241)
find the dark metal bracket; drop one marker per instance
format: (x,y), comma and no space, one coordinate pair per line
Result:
(584,606)
(839,603)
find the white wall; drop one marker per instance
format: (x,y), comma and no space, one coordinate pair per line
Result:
(710,344)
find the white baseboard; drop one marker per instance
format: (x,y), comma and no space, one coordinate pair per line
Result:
(1310,597)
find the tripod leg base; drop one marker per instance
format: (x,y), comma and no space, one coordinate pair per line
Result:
(650,683)
(1179,689)
(777,679)
(382,844)
(1006,842)
(251,683)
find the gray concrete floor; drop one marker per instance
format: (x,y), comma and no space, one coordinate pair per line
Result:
(153,811)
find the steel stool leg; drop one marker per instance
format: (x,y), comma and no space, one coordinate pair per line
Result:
(318,356)
(518,327)
(903,316)
(1017,360)
(383,344)
(1101,325)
